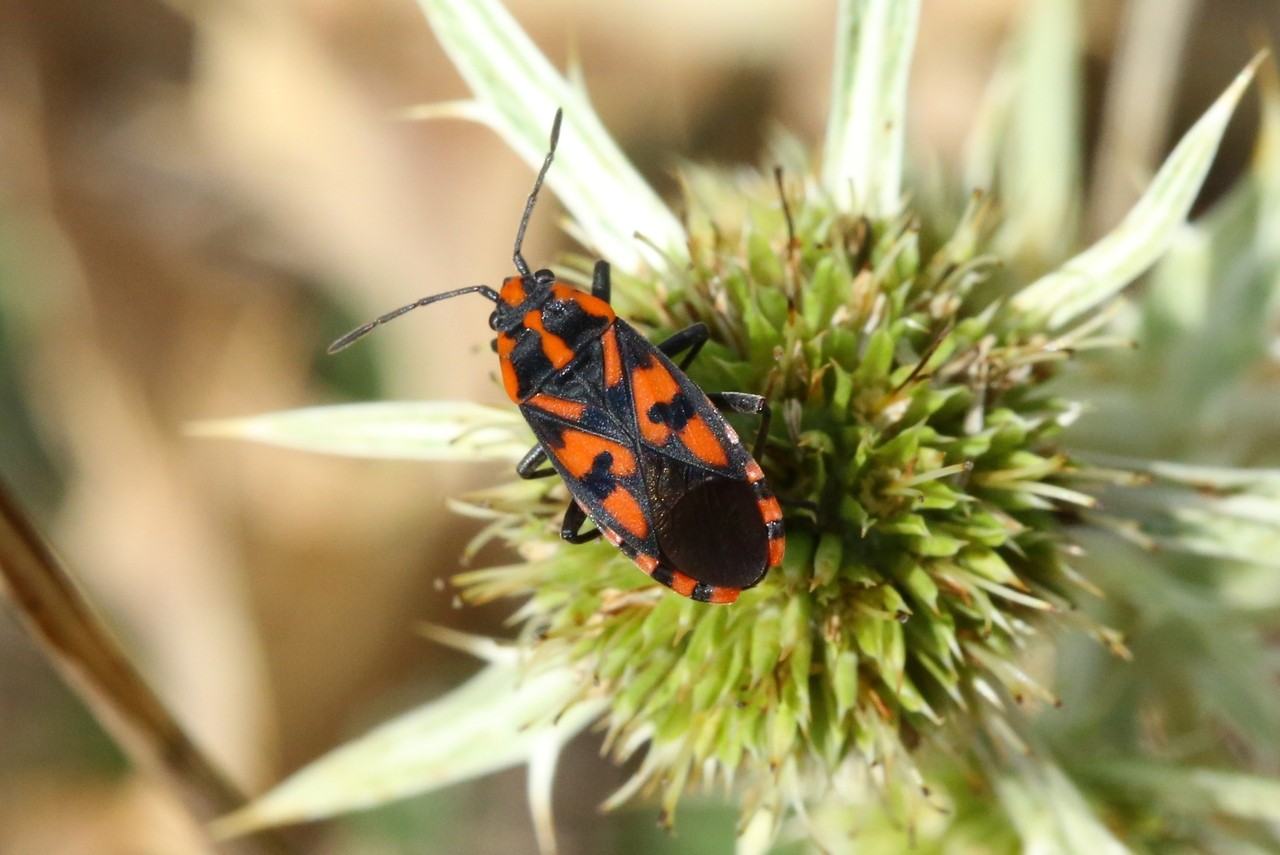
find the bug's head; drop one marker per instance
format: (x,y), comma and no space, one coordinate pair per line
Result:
(518,296)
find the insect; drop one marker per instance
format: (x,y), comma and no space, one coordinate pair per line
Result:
(646,454)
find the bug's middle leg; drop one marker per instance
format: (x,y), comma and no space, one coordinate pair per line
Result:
(527,468)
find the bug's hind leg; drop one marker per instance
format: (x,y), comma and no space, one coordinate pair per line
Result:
(745,402)
(691,338)
(574,519)
(527,468)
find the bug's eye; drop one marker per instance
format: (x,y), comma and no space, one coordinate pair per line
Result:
(493,324)
(544,277)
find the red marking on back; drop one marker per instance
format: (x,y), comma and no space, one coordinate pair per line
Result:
(698,438)
(753,472)
(559,353)
(578,451)
(683,584)
(612,358)
(655,385)
(562,407)
(770,510)
(624,508)
(512,292)
(724,596)
(649,386)
(777,548)
(647,563)
(510,381)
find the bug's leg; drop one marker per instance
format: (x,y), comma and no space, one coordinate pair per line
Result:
(745,402)
(574,519)
(691,338)
(601,284)
(528,466)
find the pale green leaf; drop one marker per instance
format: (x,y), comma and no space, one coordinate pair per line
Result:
(1102,270)
(1204,328)
(1177,302)
(464,110)
(1051,814)
(758,833)
(863,156)
(606,197)
(417,430)
(1237,794)
(1208,312)
(1207,478)
(500,718)
(983,144)
(541,776)
(1199,791)
(1266,176)
(1213,511)
(1039,166)
(1146,63)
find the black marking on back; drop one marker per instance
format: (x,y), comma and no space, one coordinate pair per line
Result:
(675,414)
(600,481)
(638,352)
(569,321)
(530,363)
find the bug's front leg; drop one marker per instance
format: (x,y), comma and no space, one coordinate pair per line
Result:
(601,283)
(574,517)
(527,468)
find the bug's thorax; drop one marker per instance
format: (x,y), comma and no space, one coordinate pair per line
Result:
(542,324)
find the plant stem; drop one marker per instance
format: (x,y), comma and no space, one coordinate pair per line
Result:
(57,615)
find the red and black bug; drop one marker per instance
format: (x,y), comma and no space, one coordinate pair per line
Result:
(645,453)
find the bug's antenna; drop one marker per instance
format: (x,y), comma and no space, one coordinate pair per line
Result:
(360,332)
(521,265)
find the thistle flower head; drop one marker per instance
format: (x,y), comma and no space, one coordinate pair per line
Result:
(915,451)
(917,446)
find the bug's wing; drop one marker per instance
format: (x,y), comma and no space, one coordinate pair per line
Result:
(599,464)
(670,484)
(670,414)
(716,519)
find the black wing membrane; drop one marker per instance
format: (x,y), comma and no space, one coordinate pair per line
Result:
(708,525)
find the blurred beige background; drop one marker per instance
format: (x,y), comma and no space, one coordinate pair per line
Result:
(194,199)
